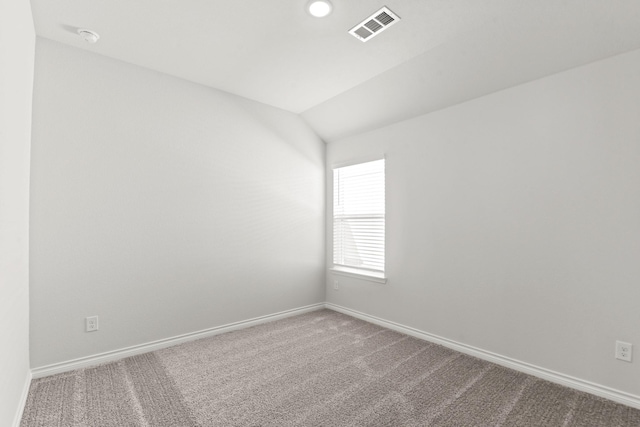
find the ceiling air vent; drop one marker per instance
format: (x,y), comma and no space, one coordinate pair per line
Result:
(374,25)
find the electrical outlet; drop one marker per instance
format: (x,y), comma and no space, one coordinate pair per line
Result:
(624,351)
(336,285)
(91,324)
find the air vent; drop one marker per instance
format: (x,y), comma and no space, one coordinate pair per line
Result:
(374,25)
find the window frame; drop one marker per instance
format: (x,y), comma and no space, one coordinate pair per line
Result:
(349,271)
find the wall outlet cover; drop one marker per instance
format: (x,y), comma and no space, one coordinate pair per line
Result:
(91,324)
(624,351)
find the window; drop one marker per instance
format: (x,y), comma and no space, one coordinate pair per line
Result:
(358,219)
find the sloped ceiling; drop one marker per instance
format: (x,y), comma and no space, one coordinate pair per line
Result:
(441,53)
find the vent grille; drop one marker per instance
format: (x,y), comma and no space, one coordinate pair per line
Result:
(384,18)
(374,24)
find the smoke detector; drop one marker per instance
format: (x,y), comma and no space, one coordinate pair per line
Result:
(374,24)
(88,35)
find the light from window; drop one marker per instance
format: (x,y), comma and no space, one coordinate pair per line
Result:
(358,216)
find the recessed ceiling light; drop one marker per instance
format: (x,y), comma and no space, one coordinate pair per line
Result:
(88,35)
(319,8)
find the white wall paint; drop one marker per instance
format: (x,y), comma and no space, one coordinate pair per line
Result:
(163,207)
(513,222)
(17,42)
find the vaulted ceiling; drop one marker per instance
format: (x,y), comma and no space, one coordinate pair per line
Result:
(442,52)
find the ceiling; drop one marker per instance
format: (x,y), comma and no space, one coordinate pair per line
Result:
(442,52)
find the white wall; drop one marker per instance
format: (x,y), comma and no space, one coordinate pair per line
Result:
(513,222)
(163,207)
(17,42)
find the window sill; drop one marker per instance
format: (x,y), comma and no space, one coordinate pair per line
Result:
(359,274)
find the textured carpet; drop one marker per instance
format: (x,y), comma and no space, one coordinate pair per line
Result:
(317,369)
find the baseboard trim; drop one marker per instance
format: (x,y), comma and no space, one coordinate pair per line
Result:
(111,356)
(23,400)
(527,368)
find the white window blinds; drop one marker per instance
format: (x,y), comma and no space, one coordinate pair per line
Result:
(358,216)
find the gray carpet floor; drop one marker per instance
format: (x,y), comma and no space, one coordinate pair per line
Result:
(317,369)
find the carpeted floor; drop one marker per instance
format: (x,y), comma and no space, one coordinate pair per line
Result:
(317,369)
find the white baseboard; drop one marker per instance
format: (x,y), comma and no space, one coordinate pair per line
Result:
(546,374)
(527,368)
(110,356)
(23,400)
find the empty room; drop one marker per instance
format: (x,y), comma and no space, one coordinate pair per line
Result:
(319,213)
